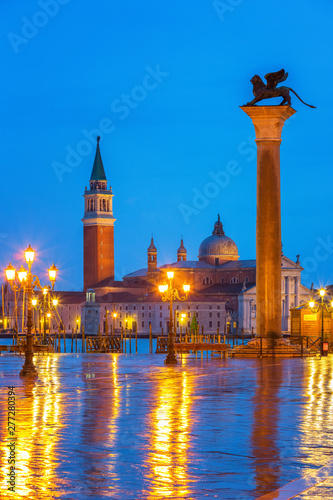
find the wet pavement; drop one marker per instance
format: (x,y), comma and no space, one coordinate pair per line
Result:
(97,426)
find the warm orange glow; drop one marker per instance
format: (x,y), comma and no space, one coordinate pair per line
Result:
(114,314)
(55,302)
(322,292)
(29,255)
(311,304)
(332,303)
(48,315)
(45,290)
(22,274)
(170,275)
(10,273)
(34,302)
(186,288)
(53,273)
(162,288)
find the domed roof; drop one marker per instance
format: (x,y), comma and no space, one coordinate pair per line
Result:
(218,245)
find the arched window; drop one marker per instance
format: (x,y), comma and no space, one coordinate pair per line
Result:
(108,206)
(91,205)
(234,280)
(246,279)
(207,281)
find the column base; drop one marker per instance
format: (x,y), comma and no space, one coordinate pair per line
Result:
(270,348)
(170,359)
(29,371)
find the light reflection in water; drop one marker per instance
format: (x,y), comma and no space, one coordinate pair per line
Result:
(316,437)
(39,422)
(169,425)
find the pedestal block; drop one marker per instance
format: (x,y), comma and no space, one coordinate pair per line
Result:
(268,122)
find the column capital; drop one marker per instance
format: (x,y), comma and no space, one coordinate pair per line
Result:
(268,121)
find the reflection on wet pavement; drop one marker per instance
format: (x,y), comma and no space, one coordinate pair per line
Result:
(127,427)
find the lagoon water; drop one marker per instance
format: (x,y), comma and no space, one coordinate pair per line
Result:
(125,426)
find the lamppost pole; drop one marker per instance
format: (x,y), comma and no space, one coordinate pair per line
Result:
(169,293)
(29,368)
(44,315)
(322,306)
(322,324)
(171,357)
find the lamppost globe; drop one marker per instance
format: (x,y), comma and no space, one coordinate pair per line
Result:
(322,292)
(22,274)
(10,273)
(29,255)
(53,273)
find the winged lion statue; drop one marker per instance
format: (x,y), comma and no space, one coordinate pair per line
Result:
(262,91)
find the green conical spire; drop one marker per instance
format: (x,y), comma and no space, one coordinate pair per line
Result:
(98,173)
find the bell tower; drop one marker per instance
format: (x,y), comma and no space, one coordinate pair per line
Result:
(98,221)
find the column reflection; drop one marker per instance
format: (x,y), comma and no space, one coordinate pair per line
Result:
(169,425)
(39,421)
(99,429)
(264,436)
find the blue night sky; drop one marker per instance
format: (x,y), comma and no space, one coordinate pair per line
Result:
(162,82)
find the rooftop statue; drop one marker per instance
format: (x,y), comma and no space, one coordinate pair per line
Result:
(262,91)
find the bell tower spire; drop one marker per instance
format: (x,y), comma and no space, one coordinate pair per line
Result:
(98,231)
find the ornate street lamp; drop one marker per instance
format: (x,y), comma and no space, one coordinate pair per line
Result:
(28,282)
(170,293)
(315,306)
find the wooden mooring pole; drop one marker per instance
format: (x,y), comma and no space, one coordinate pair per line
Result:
(150,340)
(136,338)
(83,340)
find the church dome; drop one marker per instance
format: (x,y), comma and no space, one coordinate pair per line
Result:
(218,247)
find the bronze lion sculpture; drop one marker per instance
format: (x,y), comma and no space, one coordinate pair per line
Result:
(262,91)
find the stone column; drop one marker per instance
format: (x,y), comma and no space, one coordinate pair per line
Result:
(268,122)
(297,283)
(287,311)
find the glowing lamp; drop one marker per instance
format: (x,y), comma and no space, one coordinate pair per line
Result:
(53,273)
(45,290)
(55,302)
(114,315)
(29,255)
(22,274)
(322,292)
(186,288)
(34,302)
(162,288)
(10,273)
(48,315)
(311,304)
(170,275)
